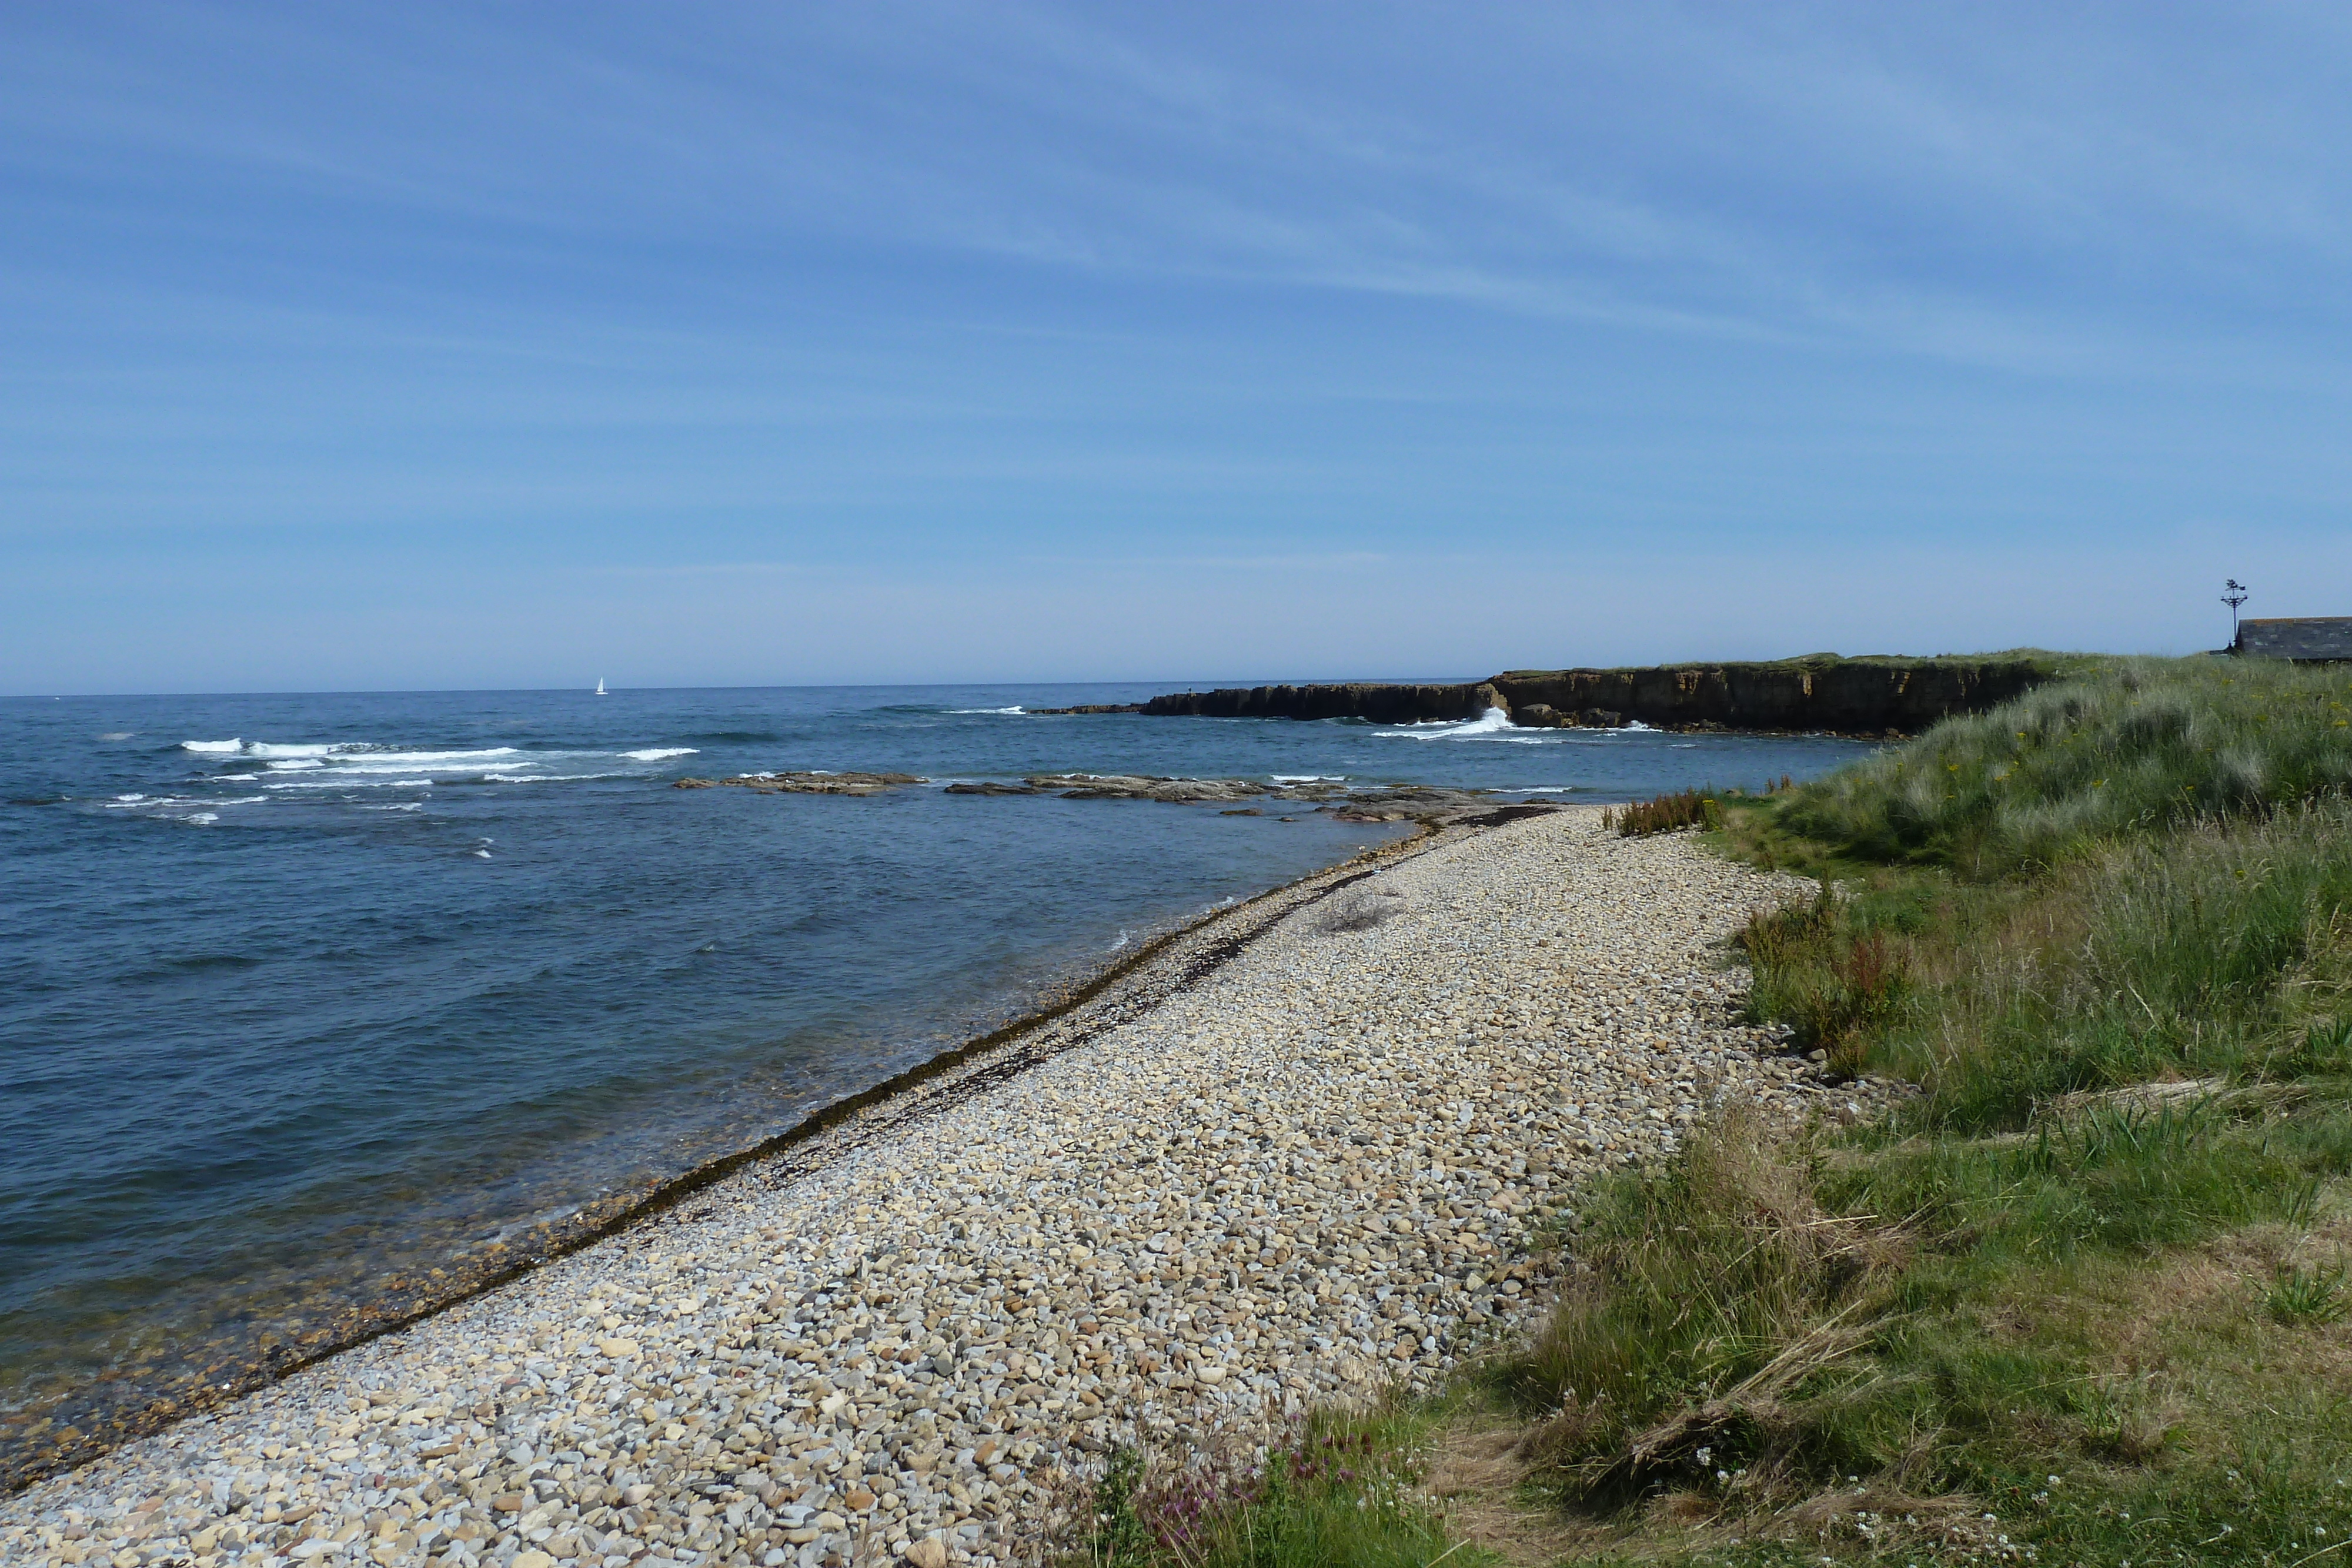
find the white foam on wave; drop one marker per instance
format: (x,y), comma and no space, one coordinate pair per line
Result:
(1308,778)
(404,806)
(421,759)
(546,777)
(117,735)
(175,808)
(361,757)
(1494,721)
(363,764)
(1013,709)
(1637,724)
(268,749)
(355,768)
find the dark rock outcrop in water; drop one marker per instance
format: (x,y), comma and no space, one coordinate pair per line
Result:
(1140,787)
(806,783)
(1822,692)
(992,787)
(1410,803)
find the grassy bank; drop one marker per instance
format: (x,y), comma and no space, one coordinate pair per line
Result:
(2085,1299)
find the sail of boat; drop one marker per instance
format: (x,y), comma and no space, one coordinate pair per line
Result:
(600,687)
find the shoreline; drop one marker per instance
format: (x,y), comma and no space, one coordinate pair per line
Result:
(503,1262)
(905,1327)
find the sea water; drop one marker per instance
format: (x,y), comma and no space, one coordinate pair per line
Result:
(303,997)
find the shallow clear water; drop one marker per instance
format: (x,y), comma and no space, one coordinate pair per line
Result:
(300,993)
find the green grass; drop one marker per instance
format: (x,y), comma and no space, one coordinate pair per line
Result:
(2214,950)
(2133,749)
(1338,1493)
(1831,980)
(2092,1280)
(2307,1296)
(1722,1299)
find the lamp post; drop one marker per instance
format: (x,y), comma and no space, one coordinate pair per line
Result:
(2233,593)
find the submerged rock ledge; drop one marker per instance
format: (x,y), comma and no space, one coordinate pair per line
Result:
(808,783)
(1364,1095)
(1434,805)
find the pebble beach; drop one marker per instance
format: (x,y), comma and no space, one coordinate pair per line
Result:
(1297,1156)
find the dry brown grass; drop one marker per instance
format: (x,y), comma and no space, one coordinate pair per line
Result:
(1717,1314)
(1478,1475)
(2174,1355)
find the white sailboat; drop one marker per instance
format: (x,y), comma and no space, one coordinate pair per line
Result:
(600,687)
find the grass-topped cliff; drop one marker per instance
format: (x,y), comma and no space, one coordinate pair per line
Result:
(2088,1298)
(1819,692)
(1871,695)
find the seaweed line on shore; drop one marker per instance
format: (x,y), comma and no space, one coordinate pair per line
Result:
(1124,987)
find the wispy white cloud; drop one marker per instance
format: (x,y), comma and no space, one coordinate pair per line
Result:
(1710,172)
(729,305)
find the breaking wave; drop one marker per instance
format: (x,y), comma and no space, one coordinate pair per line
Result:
(1494,721)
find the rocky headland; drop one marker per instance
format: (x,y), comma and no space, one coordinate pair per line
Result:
(1819,694)
(899,1339)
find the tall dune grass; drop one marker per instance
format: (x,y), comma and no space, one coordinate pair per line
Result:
(2132,747)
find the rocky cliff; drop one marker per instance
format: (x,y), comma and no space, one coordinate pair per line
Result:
(1853,697)
(1819,692)
(1355,699)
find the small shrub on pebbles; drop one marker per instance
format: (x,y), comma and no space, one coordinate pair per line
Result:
(1360,909)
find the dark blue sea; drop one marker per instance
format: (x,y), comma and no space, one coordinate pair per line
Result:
(301,996)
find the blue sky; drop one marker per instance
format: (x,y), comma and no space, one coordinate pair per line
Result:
(430,346)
